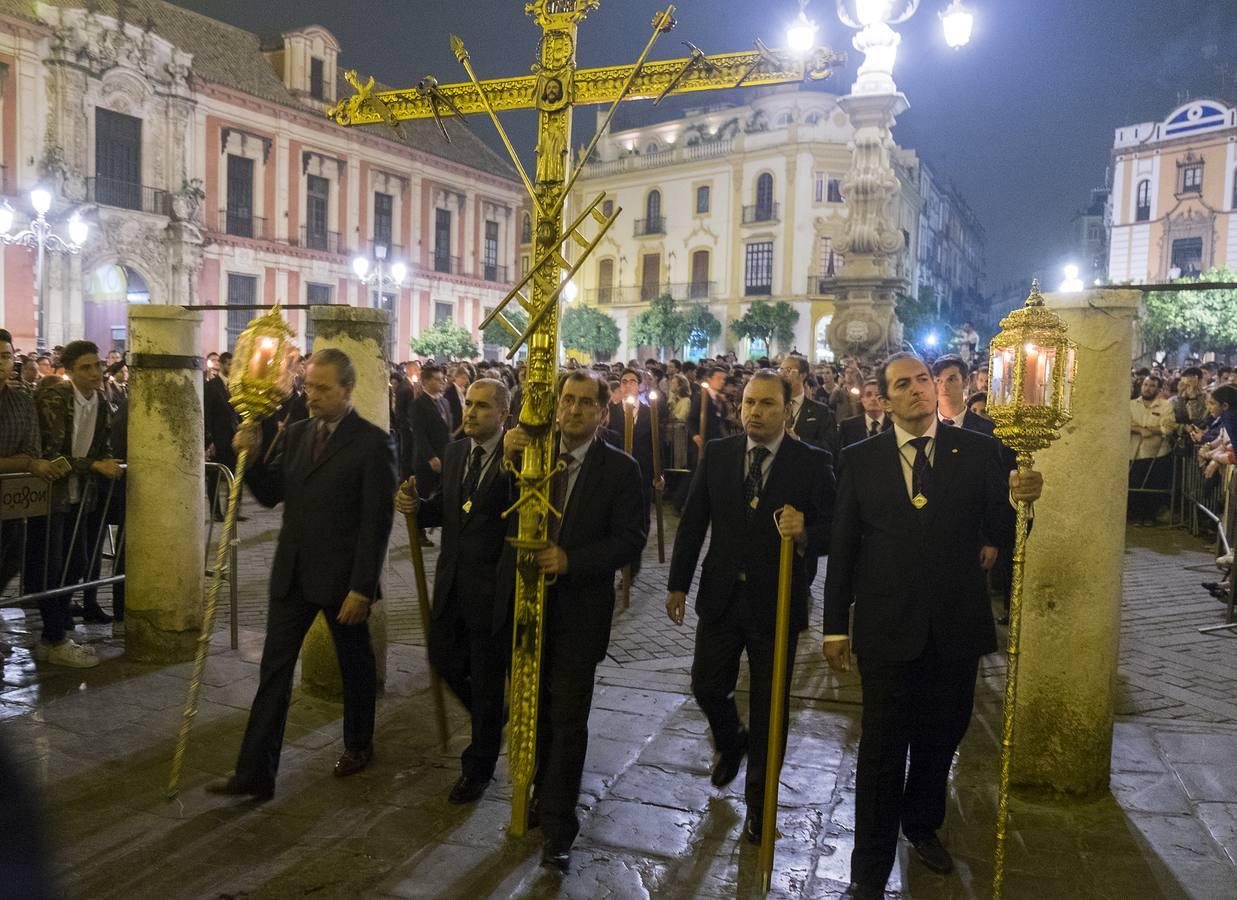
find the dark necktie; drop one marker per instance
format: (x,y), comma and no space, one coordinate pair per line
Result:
(473,475)
(874,428)
(444,410)
(950,422)
(321,436)
(558,492)
(921,468)
(751,485)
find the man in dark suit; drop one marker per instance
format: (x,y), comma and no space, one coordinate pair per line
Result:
(431,428)
(222,421)
(405,396)
(601,531)
(335,475)
(915,508)
(743,481)
(470,629)
(873,420)
(628,400)
(715,428)
(809,421)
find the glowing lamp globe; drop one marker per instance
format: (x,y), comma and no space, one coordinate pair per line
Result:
(41,200)
(360,265)
(78,231)
(957,21)
(6,218)
(399,272)
(801,35)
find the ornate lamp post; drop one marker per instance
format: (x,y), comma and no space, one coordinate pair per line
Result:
(1030,378)
(381,278)
(40,238)
(868,289)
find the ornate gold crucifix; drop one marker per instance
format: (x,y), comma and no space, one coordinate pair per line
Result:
(554,88)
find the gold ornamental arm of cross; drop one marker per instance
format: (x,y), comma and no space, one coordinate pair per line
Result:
(698,72)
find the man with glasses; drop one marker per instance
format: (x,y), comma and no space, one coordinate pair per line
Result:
(807,421)
(602,530)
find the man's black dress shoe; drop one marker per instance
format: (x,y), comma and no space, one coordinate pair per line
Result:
(96,616)
(534,814)
(352,761)
(467,790)
(556,859)
(933,853)
(752,828)
(857,891)
(729,762)
(234,787)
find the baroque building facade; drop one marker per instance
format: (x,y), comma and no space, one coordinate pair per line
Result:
(1173,207)
(732,204)
(202,157)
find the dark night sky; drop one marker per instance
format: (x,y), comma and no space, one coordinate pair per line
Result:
(1021,120)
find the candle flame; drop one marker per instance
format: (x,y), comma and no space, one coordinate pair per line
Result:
(652,395)
(1030,348)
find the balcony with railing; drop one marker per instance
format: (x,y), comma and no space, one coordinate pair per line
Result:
(241,224)
(631,295)
(650,226)
(494,272)
(312,238)
(448,265)
(762,212)
(639,162)
(127,195)
(822,284)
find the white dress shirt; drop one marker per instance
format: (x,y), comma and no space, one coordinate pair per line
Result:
(1157,414)
(574,464)
(85,417)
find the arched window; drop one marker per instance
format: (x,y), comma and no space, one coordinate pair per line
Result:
(526,230)
(652,208)
(764,197)
(1143,211)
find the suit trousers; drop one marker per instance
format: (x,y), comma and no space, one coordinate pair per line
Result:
(473,661)
(287,622)
(44,568)
(562,735)
(920,708)
(715,673)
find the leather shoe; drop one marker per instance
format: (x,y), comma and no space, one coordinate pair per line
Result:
(728,763)
(857,891)
(933,853)
(752,829)
(467,790)
(353,761)
(556,859)
(96,616)
(534,814)
(234,787)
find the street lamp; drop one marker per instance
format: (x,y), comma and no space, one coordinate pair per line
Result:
(801,33)
(382,278)
(1072,283)
(957,21)
(878,42)
(40,238)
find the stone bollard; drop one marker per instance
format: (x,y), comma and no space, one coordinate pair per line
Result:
(362,334)
(165,519)
(1071,612)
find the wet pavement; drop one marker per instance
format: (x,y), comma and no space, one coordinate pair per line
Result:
(99,743)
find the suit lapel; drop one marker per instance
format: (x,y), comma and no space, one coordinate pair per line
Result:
(589,470)
(944,467)
(780,472)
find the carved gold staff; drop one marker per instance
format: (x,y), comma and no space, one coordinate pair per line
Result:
(409,488)
(777,708)
(1030,379)
(257,388)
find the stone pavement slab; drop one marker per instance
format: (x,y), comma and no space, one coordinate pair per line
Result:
(99,742)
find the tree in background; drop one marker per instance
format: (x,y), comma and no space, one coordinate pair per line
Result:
(702,327)
(445,340)
(768,322)
(921,324)
(1202,320)
(495,333)
(587,330)
(661,326)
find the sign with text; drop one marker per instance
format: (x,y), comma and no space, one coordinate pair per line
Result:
(23,496)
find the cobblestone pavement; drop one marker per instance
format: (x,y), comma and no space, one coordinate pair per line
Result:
(99,743)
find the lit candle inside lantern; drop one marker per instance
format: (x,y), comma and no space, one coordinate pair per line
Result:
(1032,391)
(263,357)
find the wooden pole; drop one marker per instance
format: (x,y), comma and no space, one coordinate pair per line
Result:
(655,427)
(630,408)
(777,713)
(409,487)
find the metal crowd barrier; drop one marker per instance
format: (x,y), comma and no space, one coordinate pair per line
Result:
(26,497)
(1196,499)
(218,500)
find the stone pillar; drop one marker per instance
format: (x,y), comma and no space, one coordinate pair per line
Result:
(165,519)
(362,334)
(1071,605)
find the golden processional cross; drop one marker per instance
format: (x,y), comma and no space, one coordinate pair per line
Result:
(554,88)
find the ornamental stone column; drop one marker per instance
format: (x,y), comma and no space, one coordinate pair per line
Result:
(165,490)
(362,334)
(1071,608)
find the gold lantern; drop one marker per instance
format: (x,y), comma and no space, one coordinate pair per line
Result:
(260,379)
(1030,379)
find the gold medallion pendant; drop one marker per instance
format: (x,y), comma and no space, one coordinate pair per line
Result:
(467,507)
(919,501)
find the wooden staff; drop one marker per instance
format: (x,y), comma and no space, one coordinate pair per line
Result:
(409,488)
(704,398)
(629,428)
(655,426)
(777,710)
